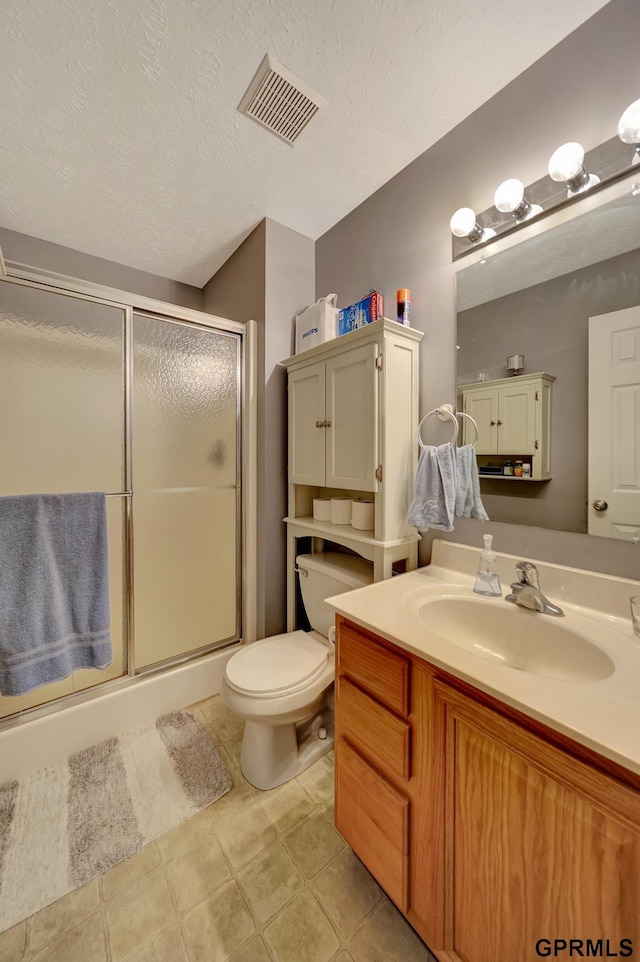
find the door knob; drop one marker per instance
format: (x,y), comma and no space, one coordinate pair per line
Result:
(600,505)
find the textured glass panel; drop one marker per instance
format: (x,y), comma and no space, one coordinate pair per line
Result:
(185,397)
(184,572)
(61,393)
(87,677)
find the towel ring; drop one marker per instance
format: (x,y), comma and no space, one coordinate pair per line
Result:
(461,414)
(446,411)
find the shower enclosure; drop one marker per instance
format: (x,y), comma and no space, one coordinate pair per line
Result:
(145,403)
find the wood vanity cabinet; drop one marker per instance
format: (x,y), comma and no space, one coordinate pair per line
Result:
(489,831)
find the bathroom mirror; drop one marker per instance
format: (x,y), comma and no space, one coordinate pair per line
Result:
(535,299)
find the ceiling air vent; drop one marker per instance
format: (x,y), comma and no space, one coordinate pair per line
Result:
(279,101)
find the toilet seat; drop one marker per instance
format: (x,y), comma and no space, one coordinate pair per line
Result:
(282,664)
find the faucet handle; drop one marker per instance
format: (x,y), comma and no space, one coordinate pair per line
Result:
(527,573)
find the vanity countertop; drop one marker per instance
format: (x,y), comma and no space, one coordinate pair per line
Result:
(603,714)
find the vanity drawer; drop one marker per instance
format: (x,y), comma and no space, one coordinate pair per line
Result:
(373,817)
(382,672)
(380,735)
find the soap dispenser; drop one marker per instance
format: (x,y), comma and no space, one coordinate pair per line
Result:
(487,580)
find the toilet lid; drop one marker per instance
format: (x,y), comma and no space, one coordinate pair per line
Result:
(284,662)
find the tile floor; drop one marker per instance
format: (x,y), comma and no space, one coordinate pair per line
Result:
(256,877)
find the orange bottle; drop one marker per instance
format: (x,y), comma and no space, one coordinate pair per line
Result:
(404,306)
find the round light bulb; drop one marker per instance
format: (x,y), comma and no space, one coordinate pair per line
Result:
(629,124)
(463,222)
(509,195)
(566,162)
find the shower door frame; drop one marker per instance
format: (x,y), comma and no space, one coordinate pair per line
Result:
(246,481)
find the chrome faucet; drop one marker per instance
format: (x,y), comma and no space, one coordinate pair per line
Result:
(526,591)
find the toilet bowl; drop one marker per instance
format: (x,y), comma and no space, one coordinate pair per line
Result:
(283,685)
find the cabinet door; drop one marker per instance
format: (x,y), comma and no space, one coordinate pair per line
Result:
(540,845)
(483,408)
(352,413)
(306,412)
(373,817)
(517,419)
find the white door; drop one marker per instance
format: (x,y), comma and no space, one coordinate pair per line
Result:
(482,405)
(614,424)
(517,418)
(306,425)
(352,422)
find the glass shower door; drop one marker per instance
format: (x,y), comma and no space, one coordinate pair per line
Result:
(62,430)
(184,444)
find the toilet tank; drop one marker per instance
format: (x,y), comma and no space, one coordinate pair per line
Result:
(327,573)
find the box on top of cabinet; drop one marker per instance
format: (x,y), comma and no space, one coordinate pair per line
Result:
(317,324)
(370,308)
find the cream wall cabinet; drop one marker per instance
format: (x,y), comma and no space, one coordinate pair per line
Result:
(513,417)
(353,419)
(333,404)
(488,831)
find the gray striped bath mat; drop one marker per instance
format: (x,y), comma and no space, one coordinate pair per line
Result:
(63,825)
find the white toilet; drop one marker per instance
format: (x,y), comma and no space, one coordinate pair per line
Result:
(283,685)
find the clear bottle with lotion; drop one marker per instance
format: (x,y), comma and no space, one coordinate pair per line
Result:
(487,580)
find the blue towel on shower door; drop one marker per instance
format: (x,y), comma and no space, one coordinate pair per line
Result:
(54,588)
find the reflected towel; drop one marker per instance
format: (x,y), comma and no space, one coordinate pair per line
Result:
(435,492)
(54,588)
(468,501)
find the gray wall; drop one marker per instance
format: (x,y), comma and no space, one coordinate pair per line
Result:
(290,284)
(237,291)
(549,324)
(44,255)
(269,278)
(400,237)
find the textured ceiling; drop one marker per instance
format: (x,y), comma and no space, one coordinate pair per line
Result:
(119,134)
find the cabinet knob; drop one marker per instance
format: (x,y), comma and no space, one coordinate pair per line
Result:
(600,505)
(492,423)
(499,422)
(327,424)
(319,424)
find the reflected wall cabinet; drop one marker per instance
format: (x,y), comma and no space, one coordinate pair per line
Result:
(514,418)
(353,417)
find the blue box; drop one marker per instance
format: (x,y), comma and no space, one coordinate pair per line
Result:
(369,309)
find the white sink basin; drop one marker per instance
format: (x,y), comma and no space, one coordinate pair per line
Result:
(517,638)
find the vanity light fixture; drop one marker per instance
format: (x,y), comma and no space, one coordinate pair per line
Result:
(566,165)
(509,199)
(464,224)
(629,128)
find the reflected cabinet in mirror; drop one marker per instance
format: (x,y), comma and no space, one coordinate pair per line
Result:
(564,308)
